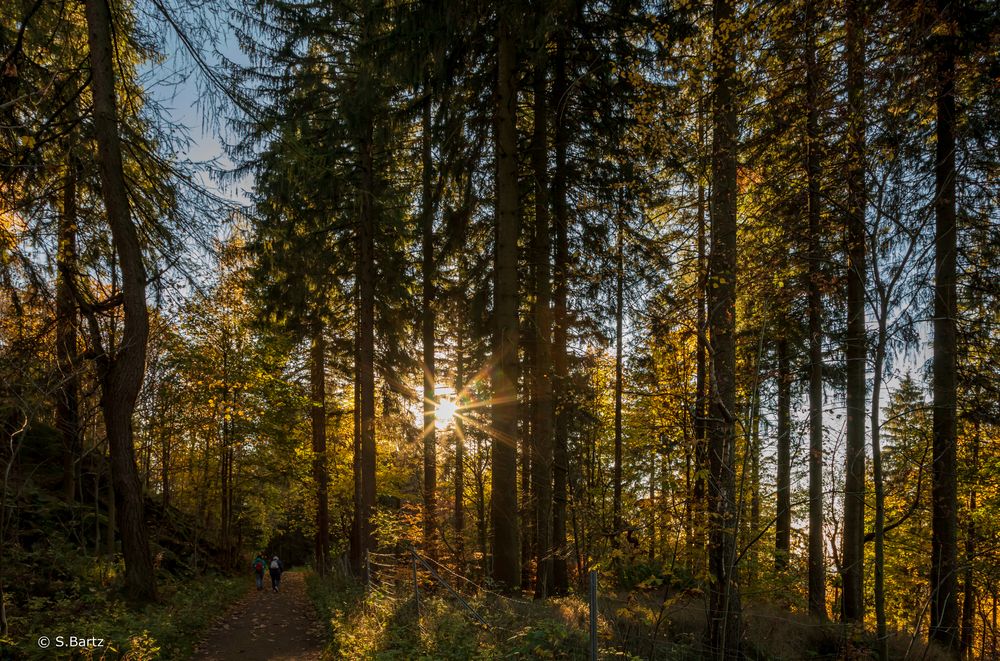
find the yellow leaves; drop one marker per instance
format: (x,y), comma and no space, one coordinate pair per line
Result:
(717,280)
(650,581)
(942,29)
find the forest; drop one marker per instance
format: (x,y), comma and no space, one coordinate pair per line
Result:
(458,306)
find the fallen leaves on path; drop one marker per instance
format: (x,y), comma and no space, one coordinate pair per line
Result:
(267,626)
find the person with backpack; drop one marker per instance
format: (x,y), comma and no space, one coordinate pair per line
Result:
(258,565)
(276,569)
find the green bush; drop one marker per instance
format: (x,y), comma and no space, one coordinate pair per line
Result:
(551,639)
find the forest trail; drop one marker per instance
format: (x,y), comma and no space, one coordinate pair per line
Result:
(267,626)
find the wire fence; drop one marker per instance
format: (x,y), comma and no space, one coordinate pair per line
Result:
(637,623)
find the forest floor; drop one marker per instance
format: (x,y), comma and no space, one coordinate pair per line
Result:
(267,626)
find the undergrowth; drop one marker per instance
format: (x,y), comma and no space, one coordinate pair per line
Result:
(89,608)
(381,623)
(54,585)
(377,624)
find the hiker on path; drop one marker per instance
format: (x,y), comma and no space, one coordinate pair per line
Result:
(258,566)
(276,569)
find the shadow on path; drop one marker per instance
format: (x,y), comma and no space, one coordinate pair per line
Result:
(267,626)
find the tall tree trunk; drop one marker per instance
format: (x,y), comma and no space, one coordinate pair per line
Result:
(653,504)
(121,375)
(357,550)
(944,488)
(225,458)
(366,340)
(616,506)
(969,597)
(459,433)
(816,561)
(783,523)
(700,486)
(165,456)
(724,595)
(560,467)
(752,563)
(541,428)
(506,546)
(427,324)
(67,398)
(854,477)
(878,481)
(112,519)
(994,648)
(481,522)
(320,476)
(526,396)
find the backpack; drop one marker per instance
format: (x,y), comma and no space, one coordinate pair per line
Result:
(275,564)
(259,565)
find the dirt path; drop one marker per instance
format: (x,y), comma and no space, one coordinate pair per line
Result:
(267,626)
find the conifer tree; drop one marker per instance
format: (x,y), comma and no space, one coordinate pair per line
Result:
(724,598)
(121,369)
(506,559)
(854,477)
(944,547)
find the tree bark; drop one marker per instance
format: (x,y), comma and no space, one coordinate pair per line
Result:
(816,560)
(112,518)
(68,395)
(969,589)
(427,326)
(165,456)
(783,527)
(944,487)
(121,375)
(541,428)
(724,593)
(526,504)
(459,434)
(560,467)
(366,339)
(854,478)
(320,476)
(700,486)
(752,564)
(881,632)
(506,546)
(616,506)
(225,459)
(357,549)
